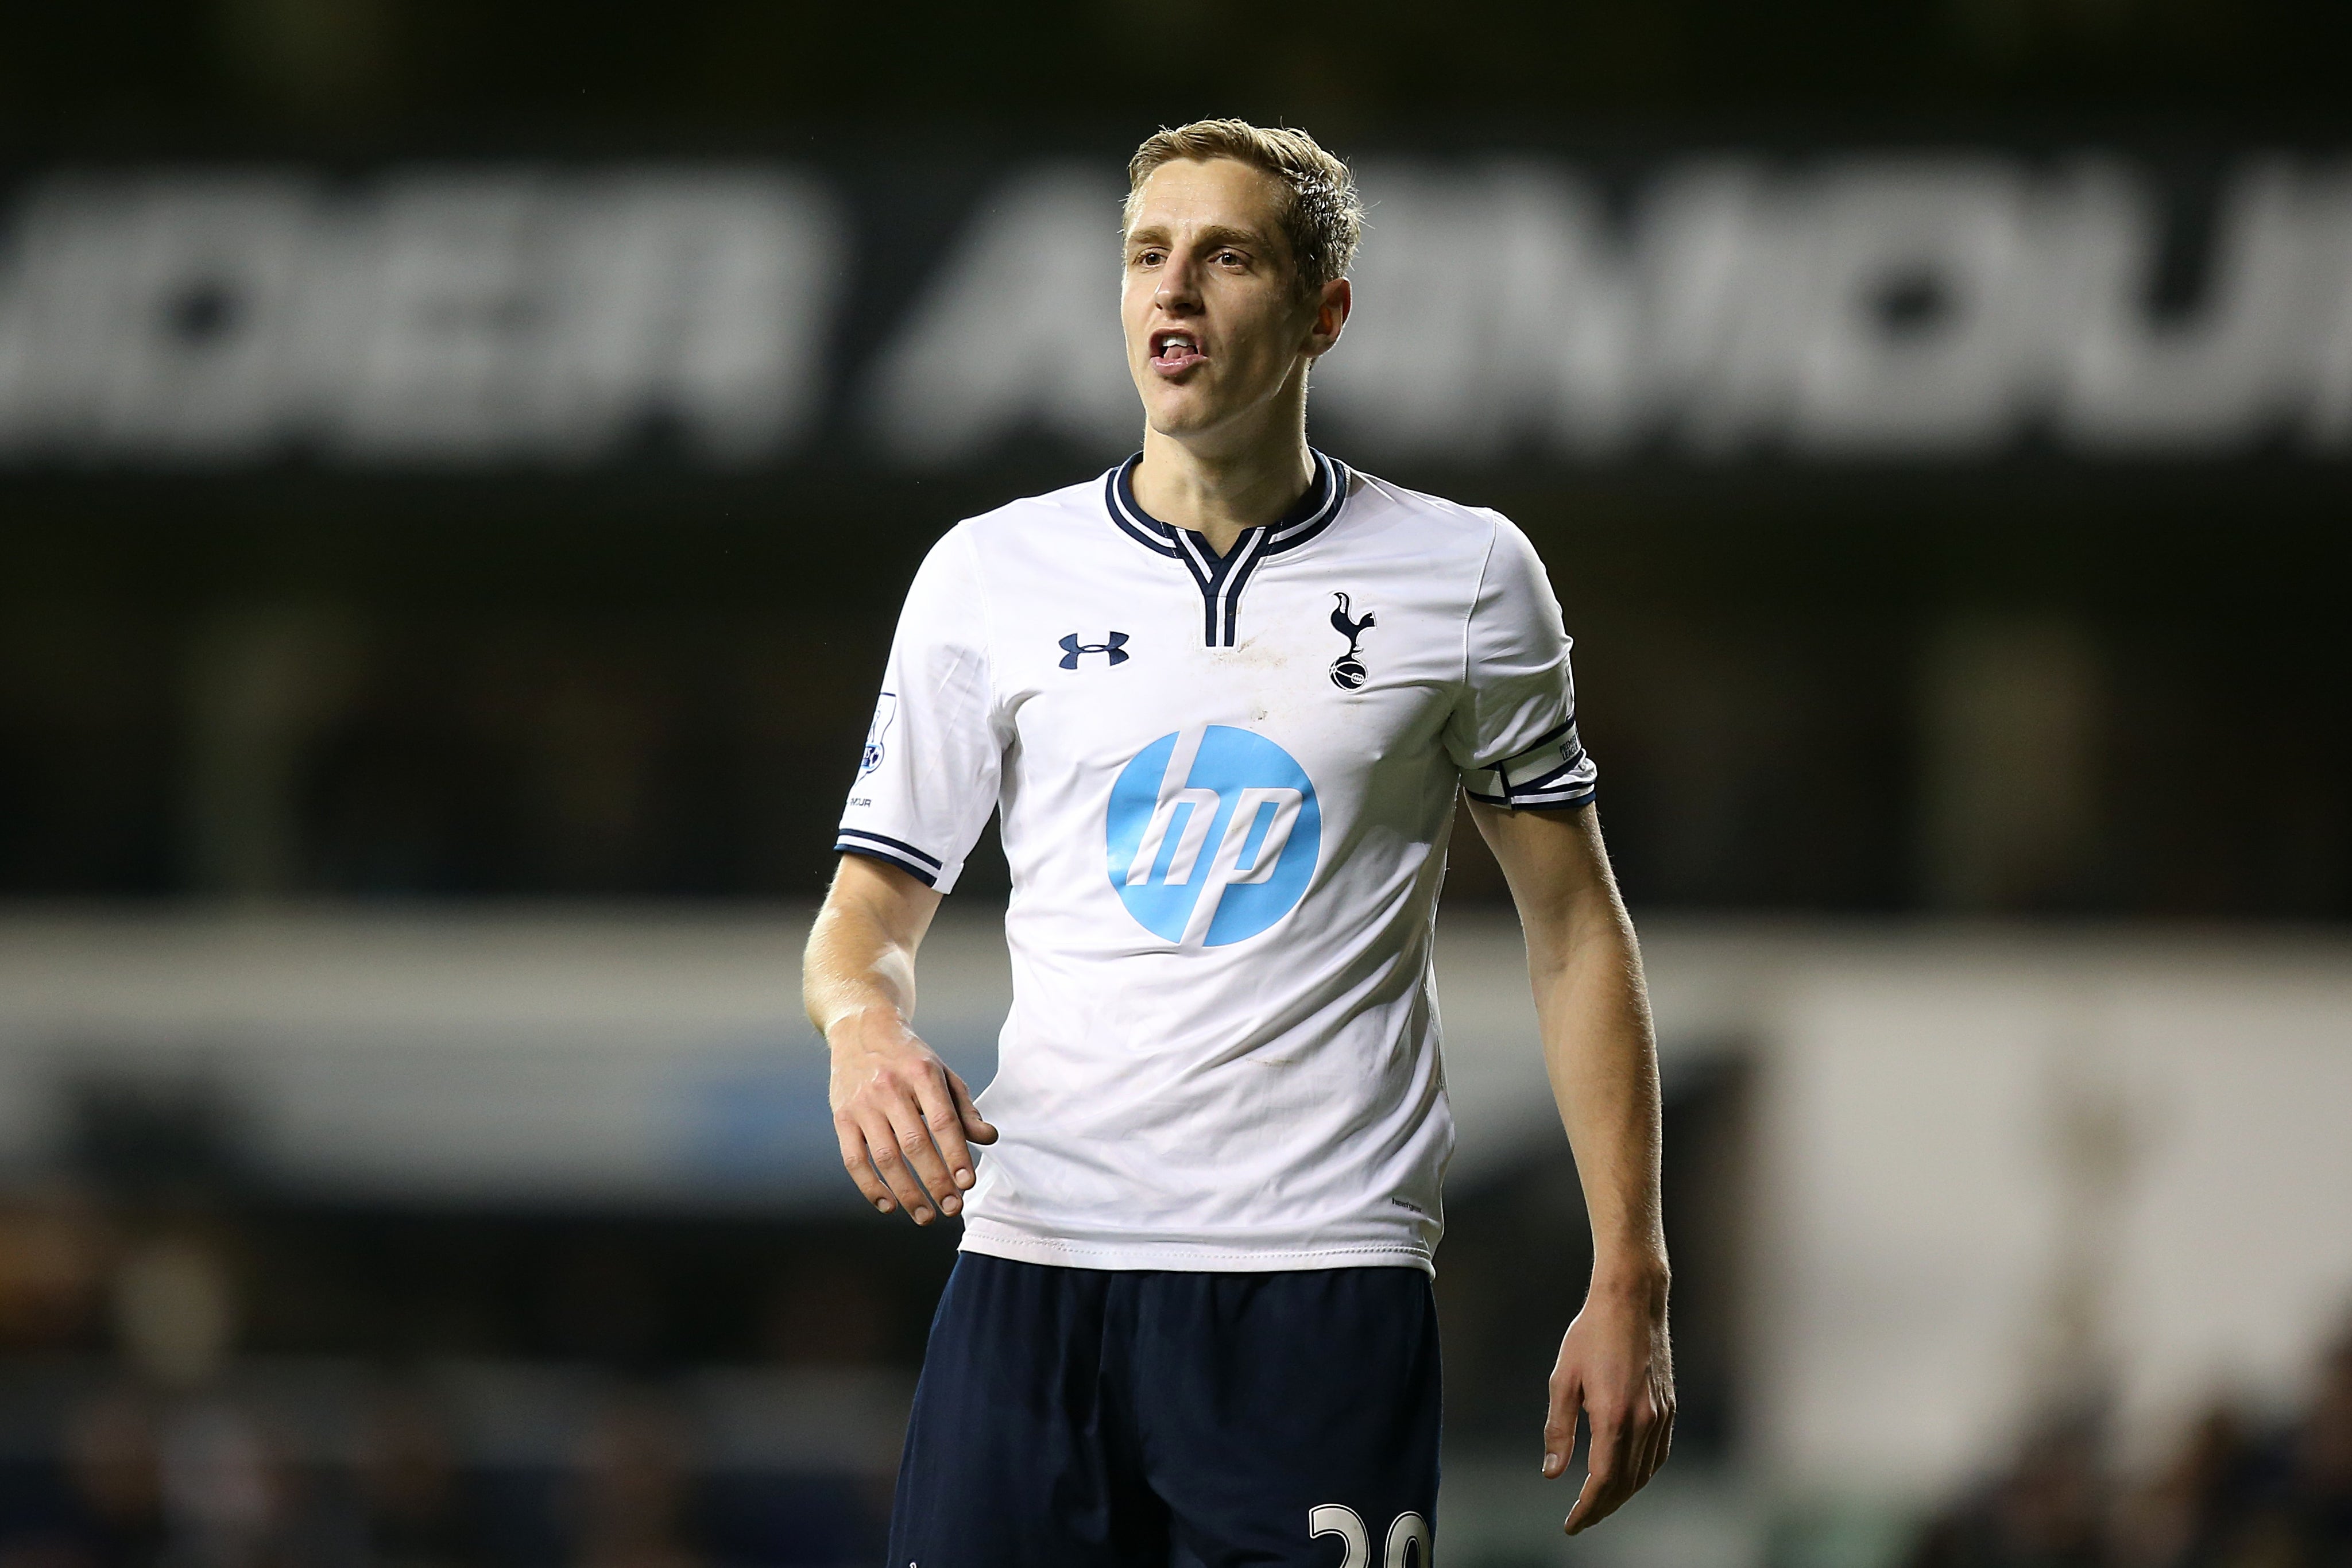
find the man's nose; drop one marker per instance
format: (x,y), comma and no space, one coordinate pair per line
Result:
(1178,283)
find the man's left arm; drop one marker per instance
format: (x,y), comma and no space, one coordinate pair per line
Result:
(1600,1052)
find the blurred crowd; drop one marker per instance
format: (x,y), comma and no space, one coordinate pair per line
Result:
(2236,1493)
(160,1442)
(141,1482)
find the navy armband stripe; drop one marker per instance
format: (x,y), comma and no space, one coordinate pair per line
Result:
(1557,802)
(1554,798)
(1539,742)
(1547,780)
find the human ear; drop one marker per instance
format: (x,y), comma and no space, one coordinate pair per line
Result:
(1336,299)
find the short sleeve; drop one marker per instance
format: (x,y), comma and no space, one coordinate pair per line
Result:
(928,777)
(1513,728)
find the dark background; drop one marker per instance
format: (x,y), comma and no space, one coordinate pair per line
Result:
(1748,652)
(1751,635)
(648,682)
(370,70)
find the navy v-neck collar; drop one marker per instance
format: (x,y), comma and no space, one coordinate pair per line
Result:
(1222,578)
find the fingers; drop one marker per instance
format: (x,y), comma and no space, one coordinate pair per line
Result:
(1627,1448)
(883,1146)
(904,1124)
(943,1119)
(1602,1490)
(1662,1442)
(913,1122)
(1598,1498)
(968,1111)
(860,1165)
(1609,1462)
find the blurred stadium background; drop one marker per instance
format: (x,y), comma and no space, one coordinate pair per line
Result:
(458,469)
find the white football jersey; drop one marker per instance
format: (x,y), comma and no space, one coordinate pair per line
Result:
(1224,788)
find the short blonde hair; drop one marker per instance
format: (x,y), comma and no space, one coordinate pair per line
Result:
(1321,221)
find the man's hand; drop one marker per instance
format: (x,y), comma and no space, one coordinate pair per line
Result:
(906,1122)
(1614,1366)
(904,1117)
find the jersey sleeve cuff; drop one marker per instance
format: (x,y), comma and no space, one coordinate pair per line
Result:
(924,868)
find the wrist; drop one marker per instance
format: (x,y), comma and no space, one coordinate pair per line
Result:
(1639,1279)
(861,1025)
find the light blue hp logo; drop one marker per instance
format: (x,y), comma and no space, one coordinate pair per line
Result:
(1214,834)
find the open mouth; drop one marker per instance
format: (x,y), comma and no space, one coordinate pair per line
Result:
(1175,350)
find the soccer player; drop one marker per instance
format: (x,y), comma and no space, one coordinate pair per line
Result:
(1223,699)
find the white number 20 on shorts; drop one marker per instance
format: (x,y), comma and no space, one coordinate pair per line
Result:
(1408,1531)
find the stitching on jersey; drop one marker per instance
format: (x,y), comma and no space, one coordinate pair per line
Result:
(1470,614)
(987,641)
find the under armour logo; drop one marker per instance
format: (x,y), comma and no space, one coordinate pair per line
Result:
(1347,670)
(1116,649)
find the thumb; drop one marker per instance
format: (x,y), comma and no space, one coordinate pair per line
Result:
(1559,1424)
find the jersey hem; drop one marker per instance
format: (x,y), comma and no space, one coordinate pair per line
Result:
(996,1243)
(889,857)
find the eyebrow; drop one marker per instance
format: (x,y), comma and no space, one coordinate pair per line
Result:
(1219,233)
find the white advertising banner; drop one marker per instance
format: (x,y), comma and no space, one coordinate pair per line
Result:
(1925,306)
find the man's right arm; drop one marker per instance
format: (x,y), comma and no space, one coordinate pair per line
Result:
(904,1117)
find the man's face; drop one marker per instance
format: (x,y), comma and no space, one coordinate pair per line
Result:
(1215,325)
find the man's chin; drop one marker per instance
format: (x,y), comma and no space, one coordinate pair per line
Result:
(1182,416)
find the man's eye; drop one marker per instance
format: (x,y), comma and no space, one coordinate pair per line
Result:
(1147,259)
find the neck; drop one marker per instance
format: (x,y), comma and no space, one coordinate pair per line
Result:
(1217,488)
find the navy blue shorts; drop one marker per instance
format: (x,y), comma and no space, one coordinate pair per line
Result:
(1093,1418)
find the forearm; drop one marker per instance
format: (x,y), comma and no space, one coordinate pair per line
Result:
(861,955)
(1616,1365)
(1600,1054)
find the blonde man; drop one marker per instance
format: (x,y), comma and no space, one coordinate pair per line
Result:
(1223,698)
